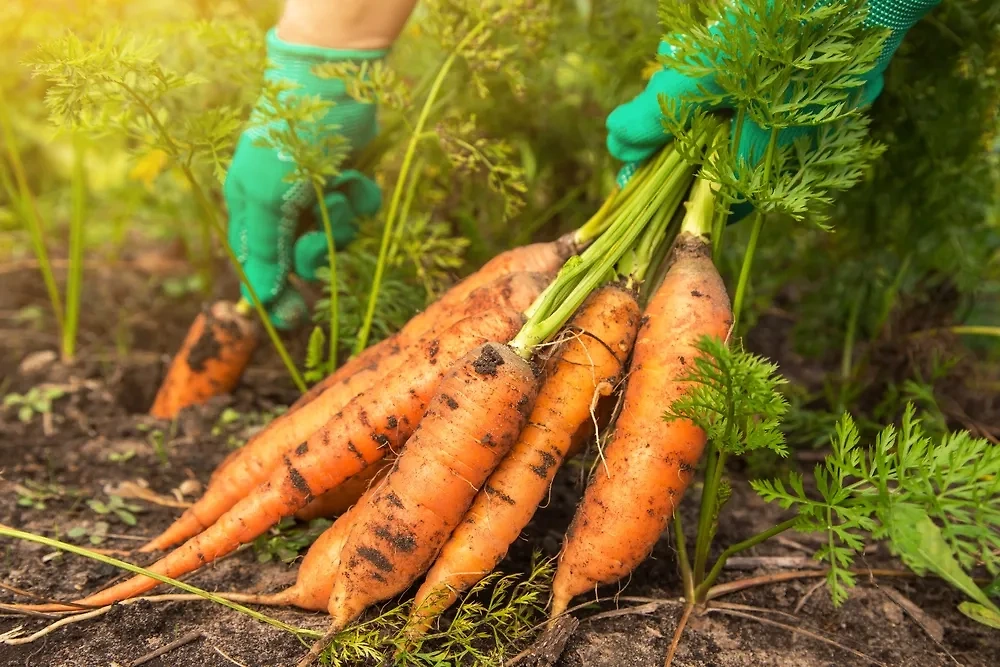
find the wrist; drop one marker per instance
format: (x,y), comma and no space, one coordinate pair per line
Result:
(295,61)
(344,24)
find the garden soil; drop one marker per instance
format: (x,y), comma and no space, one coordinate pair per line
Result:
(129,329)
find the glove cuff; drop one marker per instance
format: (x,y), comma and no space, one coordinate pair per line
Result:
(295,62)
(898,16)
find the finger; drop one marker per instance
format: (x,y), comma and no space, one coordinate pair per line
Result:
(362,193)
(635,129)
(311,253)
(270,227)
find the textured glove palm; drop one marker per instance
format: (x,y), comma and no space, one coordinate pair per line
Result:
(266,208)
(635,130)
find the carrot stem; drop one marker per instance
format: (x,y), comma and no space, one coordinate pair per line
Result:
(683,560)
(401,181)
(744,280)
(74,277)
(331,250)
(704,586)
(661,183)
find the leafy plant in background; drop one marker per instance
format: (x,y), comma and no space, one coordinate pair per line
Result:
(935,500)
(117,508)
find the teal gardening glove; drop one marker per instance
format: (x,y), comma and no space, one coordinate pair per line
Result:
(265,209)
(635,131)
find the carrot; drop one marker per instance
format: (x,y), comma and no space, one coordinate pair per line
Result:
(264,452)
(338,500)
(649,462)
(368,428)
(314,580)
(210,361)
(542,258)
(471,423)
(587,365)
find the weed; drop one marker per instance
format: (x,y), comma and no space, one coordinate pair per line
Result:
(121,457)
(95,533)
(34,495)
(116,507)
(37,401)
(287,539)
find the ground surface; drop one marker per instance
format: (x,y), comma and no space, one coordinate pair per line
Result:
(70,455)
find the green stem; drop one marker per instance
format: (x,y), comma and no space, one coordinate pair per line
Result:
(209,217)
(682,558)
(401,180)
(708,512)
(847,350)
(758,223)
(74,278)
(331,250)
(411,192)
(705,586)
(134,569)
(744,280)
(670,178)
(29,211)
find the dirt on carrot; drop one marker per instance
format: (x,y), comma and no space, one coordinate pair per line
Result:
(210,361)
(649,462)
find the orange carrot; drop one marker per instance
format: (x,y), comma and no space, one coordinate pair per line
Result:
(210,362)
(542,258)
(368,428)
(472,422)
(264,452)
(314,580)
(649,462)
(338,500)
(586,366)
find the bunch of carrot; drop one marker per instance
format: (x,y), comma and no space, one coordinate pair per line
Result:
(435,447)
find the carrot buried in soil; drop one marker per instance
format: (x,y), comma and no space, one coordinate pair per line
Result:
(587,365)
(210,361)
(649,462)
(259,457)
(470,425)
(368,428)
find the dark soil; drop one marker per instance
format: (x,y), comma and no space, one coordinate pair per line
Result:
(102,413)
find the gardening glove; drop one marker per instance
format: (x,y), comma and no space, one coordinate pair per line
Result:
(635,131)
(266,208)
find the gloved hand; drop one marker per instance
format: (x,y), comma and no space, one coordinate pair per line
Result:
(265,209)
(635,131)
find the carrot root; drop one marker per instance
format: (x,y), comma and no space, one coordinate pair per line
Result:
(210,362)
(649,462)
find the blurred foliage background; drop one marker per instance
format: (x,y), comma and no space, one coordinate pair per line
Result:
(145,101)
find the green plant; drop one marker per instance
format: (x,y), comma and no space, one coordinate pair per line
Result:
(95,533)
(35,494)
(287,539)
(118,84)
(121,457)
(492,622)
(37,401)
(117,508)
(937,501)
